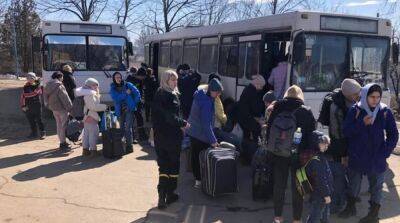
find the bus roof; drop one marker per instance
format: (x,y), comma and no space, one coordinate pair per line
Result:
(306,20)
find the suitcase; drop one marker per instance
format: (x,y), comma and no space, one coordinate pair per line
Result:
(262,188)
(113,143)
(249,148)
(218,168)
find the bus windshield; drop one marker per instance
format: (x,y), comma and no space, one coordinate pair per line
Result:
(92,53)
(327,57)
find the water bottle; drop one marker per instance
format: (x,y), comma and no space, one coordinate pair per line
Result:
(296,140)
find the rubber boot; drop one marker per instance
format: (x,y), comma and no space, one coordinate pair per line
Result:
(162,192)
(372,216)
(172,185)
(350,209)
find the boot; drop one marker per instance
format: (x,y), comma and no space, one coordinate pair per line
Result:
(372,216)
(85,152)
(42,135)
(65,146)
(171,196)
(142,134)
(32,135)
(350,209)
(93,153)
(162,191)
(129,149)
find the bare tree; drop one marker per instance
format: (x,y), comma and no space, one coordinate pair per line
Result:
(85,10)
(213,12)
(246,9)
(174,14)
(323,5)
(125,12)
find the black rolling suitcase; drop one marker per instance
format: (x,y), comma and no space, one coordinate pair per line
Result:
(113,141)
(262,189)
(218,168)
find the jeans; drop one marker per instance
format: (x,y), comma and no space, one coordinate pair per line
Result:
(126,122)
(34,116)
(90,135)
(375,181)
(61,118)
(339,186)
(197,146)
(319,211)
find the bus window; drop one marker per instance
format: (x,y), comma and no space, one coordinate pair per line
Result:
(190,52)
(228,58)
(64,50)
(164,54)
(249,53)
(324,64)
(208,55)
(176,53)
(107,53)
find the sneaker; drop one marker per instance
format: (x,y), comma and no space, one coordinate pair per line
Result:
(64,146)
(197,184)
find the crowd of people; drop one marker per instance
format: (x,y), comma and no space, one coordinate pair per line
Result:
(184,113)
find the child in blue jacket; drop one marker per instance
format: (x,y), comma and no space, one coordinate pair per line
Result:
(321,179)
(365,127)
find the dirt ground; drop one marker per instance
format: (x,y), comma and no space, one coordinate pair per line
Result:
(39,183)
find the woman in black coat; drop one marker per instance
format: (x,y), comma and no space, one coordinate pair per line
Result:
(168,128)
(69,81)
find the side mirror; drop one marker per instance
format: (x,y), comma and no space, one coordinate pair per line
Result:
(36,44)
(130,48)
(299,47)
(395,53)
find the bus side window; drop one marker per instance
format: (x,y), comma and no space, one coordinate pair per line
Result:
(229,54)
(208,55)
(164,56)
(191,52)
(249,55)
(176,53)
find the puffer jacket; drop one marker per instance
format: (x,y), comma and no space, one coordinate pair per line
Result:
(92,103)
(56,97)
(120,97)
(202,116)
(321,176)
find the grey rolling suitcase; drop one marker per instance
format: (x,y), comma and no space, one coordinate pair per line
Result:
(218,168)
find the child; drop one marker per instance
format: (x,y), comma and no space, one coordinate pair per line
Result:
(321,179)
(30,104)
(150,88)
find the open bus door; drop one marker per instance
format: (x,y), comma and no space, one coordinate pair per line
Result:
(154,58)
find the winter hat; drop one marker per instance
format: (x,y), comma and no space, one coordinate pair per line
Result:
(269,97)
(215,85)
(318,137)
(31,76)
(91,82)
(212,76)
(258,81)
(294,91)
(350,87)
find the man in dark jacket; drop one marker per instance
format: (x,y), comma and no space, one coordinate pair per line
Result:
(150,88)
(30,104)
(187,84)
(342,100)
(69,81)
(293,102)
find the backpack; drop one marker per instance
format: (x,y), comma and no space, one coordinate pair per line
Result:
(283,127)
(303,183)
(73,130)
(77,108)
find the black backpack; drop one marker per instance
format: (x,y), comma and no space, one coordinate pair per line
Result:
(77,108)
(324,113)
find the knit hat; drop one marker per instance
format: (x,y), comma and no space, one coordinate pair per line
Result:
(212,76)
(31,76)
(91,82)
(269,97)
(258,81)
(350,87)
(294,91)
(215,85)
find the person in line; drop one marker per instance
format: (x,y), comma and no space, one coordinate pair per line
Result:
(321,179)
(201,121)
(269,100)
(69,80)
(372,135)
(168,128)
(278,77)
(91,97)
(136,78)
(342,100)
(251,108)
(57,100)
(31,105)
(293,101)
(126,98)
(187,84)
(150,88)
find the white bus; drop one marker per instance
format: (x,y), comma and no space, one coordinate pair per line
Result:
(92,49)
(323,49)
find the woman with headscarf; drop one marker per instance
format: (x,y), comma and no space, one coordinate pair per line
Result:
(292,102)
(168,127)
(372,135)
(126,98)
(251,108)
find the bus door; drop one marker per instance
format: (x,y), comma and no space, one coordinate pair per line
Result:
(154,58)
(276,46)
(249,61)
